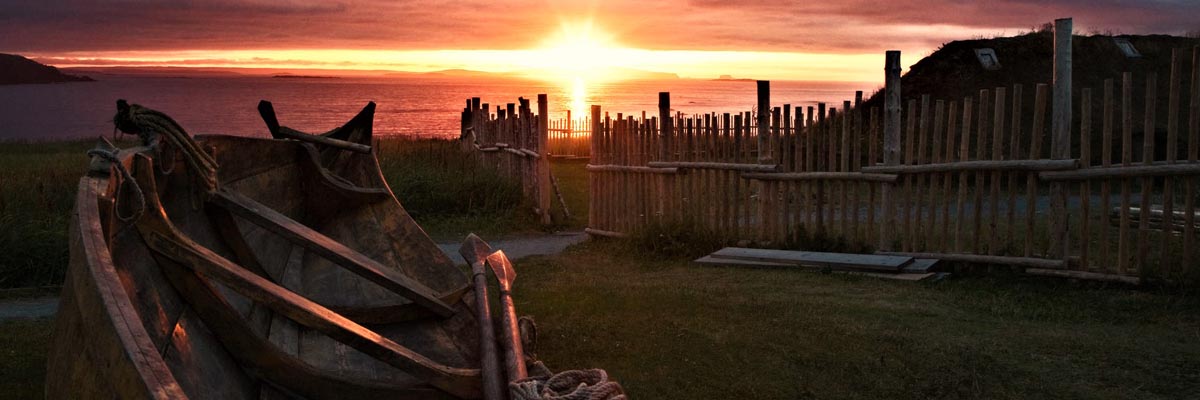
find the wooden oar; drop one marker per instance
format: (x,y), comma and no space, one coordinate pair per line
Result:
(475,251)
(510,336)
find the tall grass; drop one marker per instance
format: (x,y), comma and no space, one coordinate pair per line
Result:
(444,190)
(451,194)
(37,191)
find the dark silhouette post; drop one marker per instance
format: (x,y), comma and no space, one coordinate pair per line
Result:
(891,141)
(1060,141)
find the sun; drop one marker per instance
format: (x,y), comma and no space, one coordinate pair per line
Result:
(582,51)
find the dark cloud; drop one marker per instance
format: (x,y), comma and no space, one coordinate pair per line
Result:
(48,27)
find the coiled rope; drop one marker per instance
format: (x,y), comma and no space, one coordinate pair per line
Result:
(589,384)
(153,126)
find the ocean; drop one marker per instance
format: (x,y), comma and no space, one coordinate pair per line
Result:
(411,106)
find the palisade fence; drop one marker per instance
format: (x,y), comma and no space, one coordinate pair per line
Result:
(972,180)
(513,141)
(570,137)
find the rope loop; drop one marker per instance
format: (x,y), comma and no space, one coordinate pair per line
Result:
(126,180)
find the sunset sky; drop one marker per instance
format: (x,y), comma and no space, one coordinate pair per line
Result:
(806,40)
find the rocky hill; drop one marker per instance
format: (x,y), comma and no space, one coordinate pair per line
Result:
(15,70)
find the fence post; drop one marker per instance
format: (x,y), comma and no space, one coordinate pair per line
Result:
(543,162)
(763,119)
(464,136)
(1060,142)
(593,180)
(665,132)
(891,142)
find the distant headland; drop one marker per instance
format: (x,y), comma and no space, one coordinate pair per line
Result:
(16,70)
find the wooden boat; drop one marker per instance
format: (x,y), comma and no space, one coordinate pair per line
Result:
(295,273)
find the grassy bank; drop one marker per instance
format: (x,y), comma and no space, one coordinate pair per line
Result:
(23,347)
(450,194)
(37,190)
(447,193)
(669,330)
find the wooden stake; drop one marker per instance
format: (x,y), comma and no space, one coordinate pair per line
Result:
(1060,142)
(891,142)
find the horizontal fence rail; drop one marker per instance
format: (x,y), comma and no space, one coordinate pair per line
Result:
(975,179)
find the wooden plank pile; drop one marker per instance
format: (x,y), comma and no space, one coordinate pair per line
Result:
(874,265)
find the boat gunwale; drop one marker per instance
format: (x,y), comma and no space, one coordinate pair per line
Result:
(138,349)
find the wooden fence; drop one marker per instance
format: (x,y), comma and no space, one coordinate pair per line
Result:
(514,142)
(569,137)
(977,179)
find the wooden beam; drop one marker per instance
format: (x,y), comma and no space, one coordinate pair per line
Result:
(866,262)
(628,168)
(1122,172)
(984,259)
(977,165)
(821,176)
(715,166)
(332,250)
(461,382)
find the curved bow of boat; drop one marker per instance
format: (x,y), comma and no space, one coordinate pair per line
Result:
(302,275)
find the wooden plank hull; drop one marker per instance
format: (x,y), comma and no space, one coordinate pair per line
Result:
(136,323)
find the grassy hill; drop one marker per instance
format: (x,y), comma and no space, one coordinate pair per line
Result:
(16,70)
(952,73)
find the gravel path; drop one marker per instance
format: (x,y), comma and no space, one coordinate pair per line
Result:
(522,247)
(37,307)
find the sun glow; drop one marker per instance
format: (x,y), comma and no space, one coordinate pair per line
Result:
(581,51)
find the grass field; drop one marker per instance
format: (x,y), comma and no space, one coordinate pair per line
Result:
(670,330)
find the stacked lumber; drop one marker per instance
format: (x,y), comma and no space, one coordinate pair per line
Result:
(874,265)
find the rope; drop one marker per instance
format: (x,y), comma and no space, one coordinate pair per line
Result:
(126,179)
(590,384)
(153,126)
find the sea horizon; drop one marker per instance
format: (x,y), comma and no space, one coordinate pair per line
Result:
(411,106)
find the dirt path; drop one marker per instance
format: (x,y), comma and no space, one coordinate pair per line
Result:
(36,307)
(524,246)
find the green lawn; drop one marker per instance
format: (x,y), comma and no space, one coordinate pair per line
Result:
(670,330)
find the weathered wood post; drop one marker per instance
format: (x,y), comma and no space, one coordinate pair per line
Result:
(1060,142)
(465,136)
(763,124)
(543,161)
(593,178)
(891,142)
(665,131)
(763,119)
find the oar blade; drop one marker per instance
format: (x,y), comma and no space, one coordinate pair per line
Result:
(503,269)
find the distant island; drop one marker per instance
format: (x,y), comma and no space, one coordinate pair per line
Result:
(305,76)
(16,70)
(730,78)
